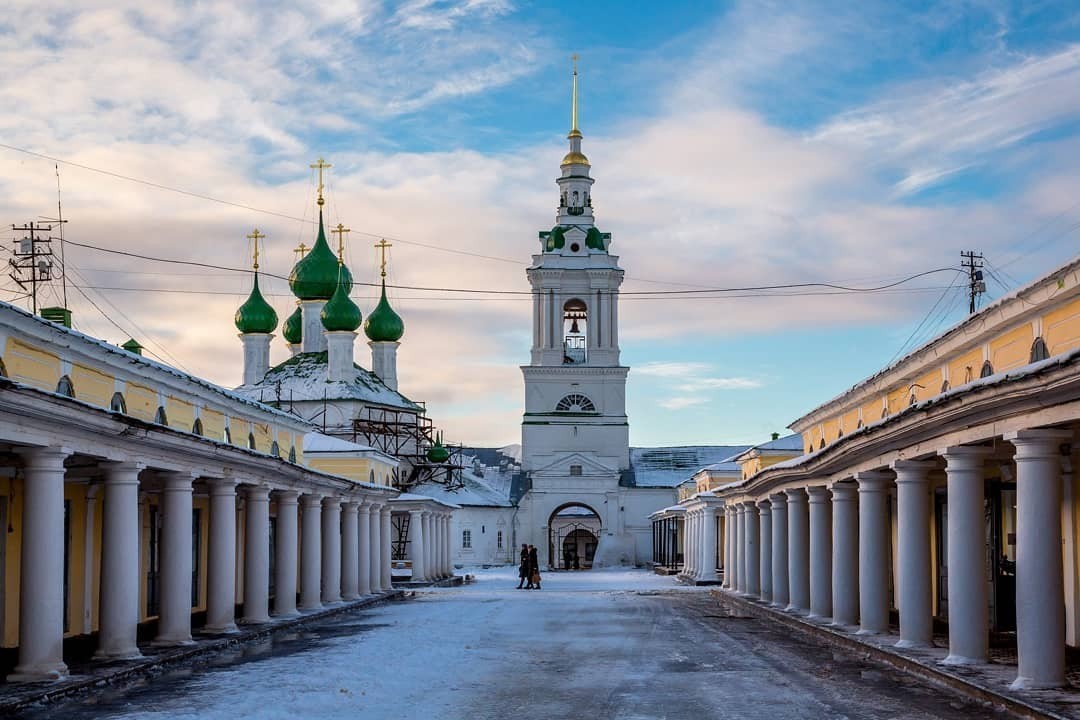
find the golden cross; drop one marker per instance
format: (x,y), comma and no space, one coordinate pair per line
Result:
(320,165)
(256,236)
(383,246)
(341,230)
(301,250)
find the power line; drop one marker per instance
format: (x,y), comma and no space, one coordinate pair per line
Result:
(904,346)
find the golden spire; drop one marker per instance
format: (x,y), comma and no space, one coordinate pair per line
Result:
(340,230)
(320,165)
(301,250)
(256,236)
(574,132)
(383,247)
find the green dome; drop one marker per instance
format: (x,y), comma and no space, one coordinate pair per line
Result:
(383,324)
(315,277)
(555,239)
(256,315)
(293,328)
(437,453)
(340,313)
(594,239)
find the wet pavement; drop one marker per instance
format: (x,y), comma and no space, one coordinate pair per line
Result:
(621,645)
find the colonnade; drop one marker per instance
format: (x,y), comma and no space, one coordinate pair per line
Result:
(330,546)
(429,541)
(826,549)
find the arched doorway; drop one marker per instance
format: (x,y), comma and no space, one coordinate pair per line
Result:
(573,535)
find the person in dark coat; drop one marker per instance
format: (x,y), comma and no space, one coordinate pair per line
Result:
(534,569)
(523,566)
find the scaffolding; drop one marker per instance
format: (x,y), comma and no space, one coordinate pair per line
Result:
(408,435)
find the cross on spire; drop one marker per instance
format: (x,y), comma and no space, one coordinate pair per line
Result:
(340,231)
(255,235)
(383,246)
(320,165)
(301,250)
(573,103)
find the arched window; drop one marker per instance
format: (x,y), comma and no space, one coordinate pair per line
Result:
(160,417)
(575,332)
(945,386)
(227,435)
(118,404)
(3,368)
(840,433)
(251,440)
(575,402)
(968,376)
(987,370)
(371,477)
(884,412)
(912,400)
(64,387)
(275,450)
(859,425)
(197,427)
(822,445)
(1039,351)
(292,454)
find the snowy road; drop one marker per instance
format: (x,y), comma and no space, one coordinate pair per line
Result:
(599,644)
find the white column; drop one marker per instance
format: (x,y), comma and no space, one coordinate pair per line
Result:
(845,554)
(780,594)
(968,602)
(730,538)
(873,552)
(764,509)
(41,600)
(416,544)
(708,556)
(798,550)
(1040,588)
(311,553)
(375,551)
(331,558)
(440,531)
(221,561)
(350,548)
(257,554)
(174,621)
(820,552)
(285,540)
(119,610)
(740,548)
(385,550)
(753,559)
(363,558)
(914,595)
(430,565)
(691,544)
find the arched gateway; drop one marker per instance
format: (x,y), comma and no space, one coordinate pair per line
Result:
(573,535)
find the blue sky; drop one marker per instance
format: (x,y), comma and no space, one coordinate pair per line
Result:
(733,144)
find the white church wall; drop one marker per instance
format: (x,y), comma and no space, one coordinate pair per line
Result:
(638,504)
(490,536)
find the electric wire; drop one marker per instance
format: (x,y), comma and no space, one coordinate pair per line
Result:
(925,319)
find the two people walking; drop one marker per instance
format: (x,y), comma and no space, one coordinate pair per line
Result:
(529,569)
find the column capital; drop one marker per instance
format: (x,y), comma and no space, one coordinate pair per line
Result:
(257,493)
(764,506)
(311,500)
(331,501)
(796,495)
(52,455)
(1039,443)
(178,479)
(818,494)
(844,491)
(350,505)
(364,508)
(871,481)
(122,473)
(778,499)
(221,486)
(913,471)
(287,497)
(965,454)
(414,513)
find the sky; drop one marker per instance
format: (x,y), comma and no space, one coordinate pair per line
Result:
(733,145)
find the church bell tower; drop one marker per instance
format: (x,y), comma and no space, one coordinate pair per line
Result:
(575,388)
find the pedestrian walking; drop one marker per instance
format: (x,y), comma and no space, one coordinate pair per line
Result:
(534,569)
(523,566)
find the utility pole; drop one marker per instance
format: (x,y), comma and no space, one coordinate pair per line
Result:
(973,262)
(32,262)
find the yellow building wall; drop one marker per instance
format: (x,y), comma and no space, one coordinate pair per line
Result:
(897,399)
(1011,349)
(92,386)
(830,430)
(1061,328)
(357,469)
(213,423)
(966,367)
(180,414)
(263,436)
(142,402)
(849,421)
(31,366)
(928,385)
(284,441)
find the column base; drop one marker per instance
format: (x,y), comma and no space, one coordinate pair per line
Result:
(285,615)
(1023,683)
(47,673)
(227,629)
(914,644)
(117,655)
(261,620)
(313,607)
(844,625)
(820,617)
(350,597)
(963,660)
(868,631)
(172,642)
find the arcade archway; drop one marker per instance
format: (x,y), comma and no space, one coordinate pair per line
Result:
(573,535)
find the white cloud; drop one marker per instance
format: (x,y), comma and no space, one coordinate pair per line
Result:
(671,369)
(679,403)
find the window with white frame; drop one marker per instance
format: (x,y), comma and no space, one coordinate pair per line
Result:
(466,539)
(498,540)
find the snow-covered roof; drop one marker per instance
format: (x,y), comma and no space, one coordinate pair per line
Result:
(303,377)
(668,467)
(320,443)
(491,488)
(414,497)
(788,443)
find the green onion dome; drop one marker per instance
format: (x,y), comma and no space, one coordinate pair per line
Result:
(383,324)
(555,239)
(340,312)
(293,328)
(315,277)
(256,315)
(437,453)
(594,239)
